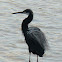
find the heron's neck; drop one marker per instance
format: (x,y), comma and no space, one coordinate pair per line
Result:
(25,23)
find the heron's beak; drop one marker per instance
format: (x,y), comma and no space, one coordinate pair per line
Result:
(17,12)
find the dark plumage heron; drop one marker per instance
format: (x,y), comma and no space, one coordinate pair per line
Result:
(34,37)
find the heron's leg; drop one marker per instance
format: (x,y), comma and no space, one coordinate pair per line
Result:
(37,58)
(29,56)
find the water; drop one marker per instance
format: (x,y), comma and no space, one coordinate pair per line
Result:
(47,16)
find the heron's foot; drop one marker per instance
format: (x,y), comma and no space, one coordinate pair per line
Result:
(37,58)
(29,60)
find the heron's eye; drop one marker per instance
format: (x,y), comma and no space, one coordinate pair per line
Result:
(26,12)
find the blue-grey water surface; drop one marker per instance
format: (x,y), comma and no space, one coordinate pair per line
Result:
(47,17)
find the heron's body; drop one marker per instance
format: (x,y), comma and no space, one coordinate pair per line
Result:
(34,37)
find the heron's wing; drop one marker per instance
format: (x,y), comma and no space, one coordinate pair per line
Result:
(38,37)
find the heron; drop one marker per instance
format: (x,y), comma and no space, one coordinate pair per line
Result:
(34,37)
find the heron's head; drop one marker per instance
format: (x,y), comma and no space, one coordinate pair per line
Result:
(27,11)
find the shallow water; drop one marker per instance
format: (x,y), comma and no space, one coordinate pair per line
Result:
(47,16)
